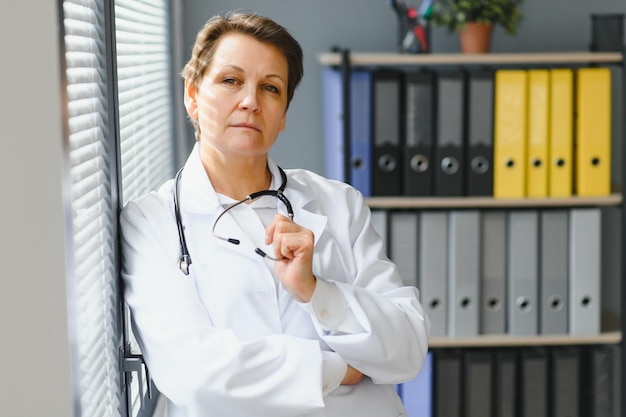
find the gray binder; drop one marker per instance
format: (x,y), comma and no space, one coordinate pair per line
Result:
(433,268)
(479,164)
(403,244)
(584,271)
(522,272)
(493,272)
(534,389)
(379,222)
(463,272)
(553,272)
(477,383)
(386,155)
(565,382)
(450,160)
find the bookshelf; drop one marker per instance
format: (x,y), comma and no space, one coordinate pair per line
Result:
(345,61)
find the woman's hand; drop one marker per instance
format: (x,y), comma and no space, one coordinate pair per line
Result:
(352,376)
(294,244)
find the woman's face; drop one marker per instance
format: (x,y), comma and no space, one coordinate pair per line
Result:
(241,100)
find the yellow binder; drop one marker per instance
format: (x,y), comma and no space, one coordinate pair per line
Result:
(560,152)
(538,112)
(509,134)
(593,132)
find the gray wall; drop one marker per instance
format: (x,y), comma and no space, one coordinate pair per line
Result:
(34,346)
(370,25)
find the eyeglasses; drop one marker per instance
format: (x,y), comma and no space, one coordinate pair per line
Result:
(272,193)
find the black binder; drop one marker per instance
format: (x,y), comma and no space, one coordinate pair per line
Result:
(447,380)
(597,378)
(565,382)
(387,133)
(418,134)
(479,122)
(477,383)
(505,383)
(449,162)
(534,382)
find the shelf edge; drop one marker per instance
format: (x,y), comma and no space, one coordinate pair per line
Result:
(489,202)
(330,58)
(611,338)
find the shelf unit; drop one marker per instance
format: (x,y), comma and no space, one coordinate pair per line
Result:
(346,60)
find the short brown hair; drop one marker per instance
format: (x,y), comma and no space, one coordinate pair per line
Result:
(260,28)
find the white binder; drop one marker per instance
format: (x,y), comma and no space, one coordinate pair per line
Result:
(403,244)
(584,271)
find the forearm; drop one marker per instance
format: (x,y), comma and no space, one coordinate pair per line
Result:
(384,336)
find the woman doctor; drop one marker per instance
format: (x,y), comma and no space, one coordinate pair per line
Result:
(285,305)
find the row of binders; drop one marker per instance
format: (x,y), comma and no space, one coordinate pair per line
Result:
(505,133)
(563,381)
(496,271)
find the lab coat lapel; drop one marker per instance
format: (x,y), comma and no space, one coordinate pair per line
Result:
(197,195)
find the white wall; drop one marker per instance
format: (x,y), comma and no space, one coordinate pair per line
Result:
(35,376)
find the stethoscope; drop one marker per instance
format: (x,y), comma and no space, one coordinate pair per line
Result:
(184,262)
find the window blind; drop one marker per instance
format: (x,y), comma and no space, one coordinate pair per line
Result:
(145,94)
(144,71)
(93,218)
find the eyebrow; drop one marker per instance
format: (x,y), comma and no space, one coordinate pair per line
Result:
(237,68)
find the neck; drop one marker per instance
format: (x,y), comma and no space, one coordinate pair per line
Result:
(237,181)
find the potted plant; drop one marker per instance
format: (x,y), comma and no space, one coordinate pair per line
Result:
(474,20)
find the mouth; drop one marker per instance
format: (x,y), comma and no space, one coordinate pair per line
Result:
(247,126)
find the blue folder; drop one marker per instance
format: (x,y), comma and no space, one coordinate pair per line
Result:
(360,128)
(417,395)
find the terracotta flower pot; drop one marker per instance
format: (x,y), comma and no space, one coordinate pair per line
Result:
(475,38)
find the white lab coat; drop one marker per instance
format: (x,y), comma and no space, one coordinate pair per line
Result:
(227,340)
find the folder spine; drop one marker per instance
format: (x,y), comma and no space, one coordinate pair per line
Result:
(387,106)
(419,130)
(561,144)
(522,272)
(479,142)
(510,134)
(463,272)
(450,155)
(360,131)
(585,271)
(538,112)
(593,132)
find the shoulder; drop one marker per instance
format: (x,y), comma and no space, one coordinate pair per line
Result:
(152,205)
(322,189)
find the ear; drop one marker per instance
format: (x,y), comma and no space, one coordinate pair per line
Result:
(283,122)
(190,100)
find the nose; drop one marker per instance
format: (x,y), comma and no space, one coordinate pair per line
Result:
(249,100)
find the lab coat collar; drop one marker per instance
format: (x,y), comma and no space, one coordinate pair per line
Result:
(197,194)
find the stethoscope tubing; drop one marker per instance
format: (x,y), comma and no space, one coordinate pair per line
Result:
(184,261)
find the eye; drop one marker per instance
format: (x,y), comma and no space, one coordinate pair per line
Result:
(229,80)
(271,88)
